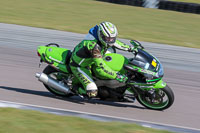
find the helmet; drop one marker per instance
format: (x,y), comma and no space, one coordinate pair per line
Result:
(107,33)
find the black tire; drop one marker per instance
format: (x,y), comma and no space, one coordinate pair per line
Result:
(48,71)
(142,99)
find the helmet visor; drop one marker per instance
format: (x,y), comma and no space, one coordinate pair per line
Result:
(108,40)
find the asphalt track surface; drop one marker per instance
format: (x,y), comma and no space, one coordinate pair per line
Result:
(19,63)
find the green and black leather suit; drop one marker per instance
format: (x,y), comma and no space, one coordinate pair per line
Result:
(88,53)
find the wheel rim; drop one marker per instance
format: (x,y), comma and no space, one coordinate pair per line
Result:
(160,101)
(55,75)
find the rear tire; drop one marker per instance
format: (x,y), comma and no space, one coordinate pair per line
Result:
(49,71)
(165,96)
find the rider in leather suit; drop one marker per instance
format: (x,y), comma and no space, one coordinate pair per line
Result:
(90,52)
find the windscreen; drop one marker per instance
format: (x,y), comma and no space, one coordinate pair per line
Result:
(145,60)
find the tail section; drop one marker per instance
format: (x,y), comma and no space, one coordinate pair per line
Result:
(55,56)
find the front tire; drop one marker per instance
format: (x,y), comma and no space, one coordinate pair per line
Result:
(164,98)
(53,73)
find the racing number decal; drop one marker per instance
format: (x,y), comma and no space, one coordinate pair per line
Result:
(153,63)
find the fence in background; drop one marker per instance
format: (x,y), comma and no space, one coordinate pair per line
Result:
(180,6)
(161,4)
(126,2)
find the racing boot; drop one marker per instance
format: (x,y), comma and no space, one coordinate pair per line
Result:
(91,93)
(83,93)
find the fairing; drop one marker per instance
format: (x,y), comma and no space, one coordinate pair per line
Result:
(55,55)
(115,61)
(148,65)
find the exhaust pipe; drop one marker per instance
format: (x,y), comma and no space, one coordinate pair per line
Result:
(52,83)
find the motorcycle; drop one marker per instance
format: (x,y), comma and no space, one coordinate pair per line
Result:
(144,72)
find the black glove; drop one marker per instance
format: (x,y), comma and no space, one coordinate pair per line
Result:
(132,49)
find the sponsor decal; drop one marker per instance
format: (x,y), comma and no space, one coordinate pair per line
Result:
(106,71)
(56,60)
(146,71)
(83,78)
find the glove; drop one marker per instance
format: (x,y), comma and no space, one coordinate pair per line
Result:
(121,78)
(132,49)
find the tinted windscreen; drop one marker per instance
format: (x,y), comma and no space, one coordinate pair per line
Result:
(145,60)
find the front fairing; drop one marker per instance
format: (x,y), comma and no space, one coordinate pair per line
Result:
(148,65)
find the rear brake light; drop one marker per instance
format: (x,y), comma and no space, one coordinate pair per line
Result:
(38,54)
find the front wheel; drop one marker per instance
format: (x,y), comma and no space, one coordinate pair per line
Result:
(163,99)
(53,73)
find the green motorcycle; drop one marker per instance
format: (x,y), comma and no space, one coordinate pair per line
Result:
(144,72)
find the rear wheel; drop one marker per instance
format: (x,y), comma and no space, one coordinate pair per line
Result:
(53,73)
(163,99)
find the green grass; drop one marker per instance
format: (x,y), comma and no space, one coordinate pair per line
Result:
(188,1)
(22,121)
(138,23)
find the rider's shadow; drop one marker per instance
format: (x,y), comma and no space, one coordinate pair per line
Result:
(40,93)
(74,99)
(113,103)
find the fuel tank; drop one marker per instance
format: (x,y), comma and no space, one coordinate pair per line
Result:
(115,61)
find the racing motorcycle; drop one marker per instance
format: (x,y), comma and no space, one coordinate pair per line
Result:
(144,72)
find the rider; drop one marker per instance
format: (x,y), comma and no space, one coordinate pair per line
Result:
(90,51)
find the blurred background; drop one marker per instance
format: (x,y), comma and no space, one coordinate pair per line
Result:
(154,22)
(133,22)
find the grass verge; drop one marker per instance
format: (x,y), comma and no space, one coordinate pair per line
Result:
(138,23)
(188,1)
(19,121)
